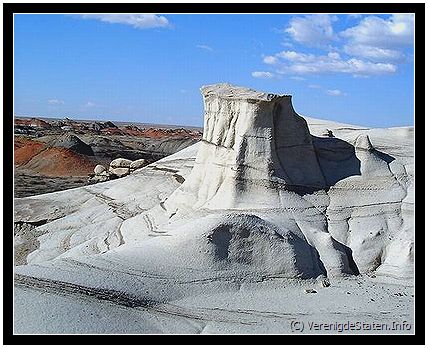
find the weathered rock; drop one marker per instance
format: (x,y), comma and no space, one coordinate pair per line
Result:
(328,133)
(120,167)
(109,124)
(99,169)
(140,163)
(120,163)
(253,144)
(120,171)
(310,291)
(258,196)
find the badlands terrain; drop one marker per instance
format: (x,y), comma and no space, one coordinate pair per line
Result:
(54,154)
(271,223)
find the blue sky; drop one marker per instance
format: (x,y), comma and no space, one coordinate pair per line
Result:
(355,69)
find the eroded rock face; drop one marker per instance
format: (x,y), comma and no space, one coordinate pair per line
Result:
(253,143)
(259,195)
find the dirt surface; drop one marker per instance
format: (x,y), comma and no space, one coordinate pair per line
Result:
(29,184)
(61,162)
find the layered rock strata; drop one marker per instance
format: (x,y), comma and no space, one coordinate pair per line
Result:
(254,145)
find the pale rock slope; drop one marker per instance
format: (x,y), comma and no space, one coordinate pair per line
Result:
(266,194)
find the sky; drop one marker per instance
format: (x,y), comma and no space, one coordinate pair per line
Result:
(349,68)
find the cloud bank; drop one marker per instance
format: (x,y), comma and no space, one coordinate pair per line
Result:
(372,46)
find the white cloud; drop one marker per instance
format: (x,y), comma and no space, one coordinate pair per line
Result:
(335,92)
(312,30)
(136,20)
(298,78)
(379,39)
(262,74)
(55,102)
(205,47)
(291,62)
(314,86)
(373,52)
(333,55)
(397,30)
(373,45)
(270,60)
(89,104)
(296,57)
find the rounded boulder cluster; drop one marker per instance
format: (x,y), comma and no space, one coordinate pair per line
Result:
(118,168)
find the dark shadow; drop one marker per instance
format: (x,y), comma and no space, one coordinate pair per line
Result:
(352,265)
(221,237)
(337,159)
(309,163)
(383,156)
(320,270)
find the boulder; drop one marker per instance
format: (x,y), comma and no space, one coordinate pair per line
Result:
(120,172)
(139,163)
(323,281)
(120,163)
(99,169)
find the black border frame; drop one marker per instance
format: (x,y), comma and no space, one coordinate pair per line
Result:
(8,11)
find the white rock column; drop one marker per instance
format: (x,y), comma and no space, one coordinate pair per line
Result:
(253,145)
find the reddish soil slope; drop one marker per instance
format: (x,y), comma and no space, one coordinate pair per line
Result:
(57,161)
(51,161)
(26,149)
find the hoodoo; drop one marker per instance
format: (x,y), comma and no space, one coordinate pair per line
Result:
(253,145)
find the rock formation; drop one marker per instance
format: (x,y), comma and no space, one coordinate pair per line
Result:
(259,196)
(269,216)
(118,168)
(253,147)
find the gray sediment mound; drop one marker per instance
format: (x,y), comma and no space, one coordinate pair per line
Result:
(72,142)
